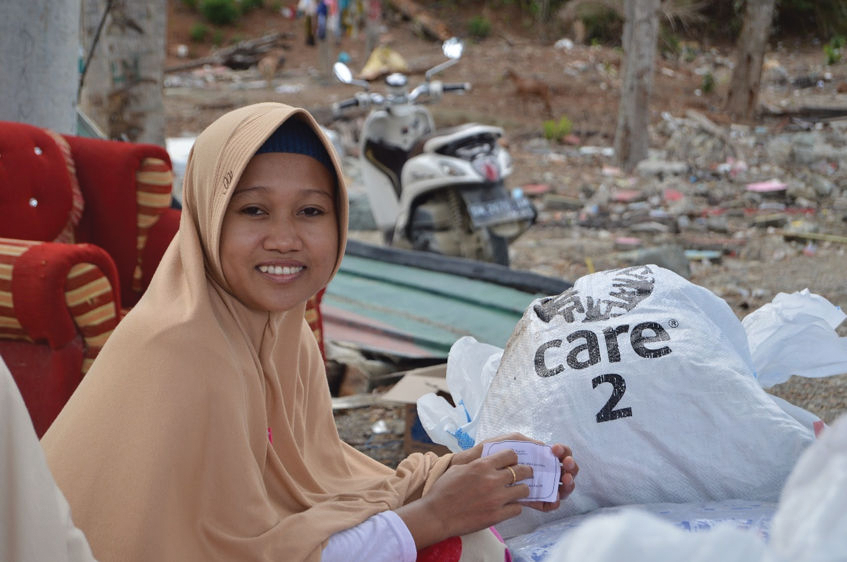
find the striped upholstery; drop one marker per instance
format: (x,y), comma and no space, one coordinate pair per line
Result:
(10,326)
(77,203)
(89,297)
(154,179)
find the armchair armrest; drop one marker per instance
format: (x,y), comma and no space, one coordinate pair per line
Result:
(50,292)
(58,305)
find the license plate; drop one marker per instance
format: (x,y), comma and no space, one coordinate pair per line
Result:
(498,211)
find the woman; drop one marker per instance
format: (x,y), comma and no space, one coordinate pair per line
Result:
(204,429)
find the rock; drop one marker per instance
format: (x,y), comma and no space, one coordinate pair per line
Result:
(669,256)
(661,168)
(823,187)
(779,150)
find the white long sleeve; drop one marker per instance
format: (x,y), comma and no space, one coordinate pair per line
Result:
(382,538)
(35,520)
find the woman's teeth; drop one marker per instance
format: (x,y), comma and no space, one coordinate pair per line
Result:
(280,270)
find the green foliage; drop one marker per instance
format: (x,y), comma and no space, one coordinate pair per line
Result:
(218,38)
(833,49)
(190,4)
(824,17)
(793,18)
(220,12)
(669,43)
(199,32)
(557,130)
(707,85)
(247,5)
(479,27)
(602,24)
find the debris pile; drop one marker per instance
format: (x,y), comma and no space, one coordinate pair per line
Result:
(705,193)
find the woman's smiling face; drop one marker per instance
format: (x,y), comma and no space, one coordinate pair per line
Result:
(279,239)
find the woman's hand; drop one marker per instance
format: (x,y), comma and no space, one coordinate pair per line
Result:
(569,467)
(477,492)
(468,497)
(475,452)
(567,481)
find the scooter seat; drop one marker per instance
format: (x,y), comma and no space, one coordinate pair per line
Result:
(436,141)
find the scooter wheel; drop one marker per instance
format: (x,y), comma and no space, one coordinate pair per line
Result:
(498,247)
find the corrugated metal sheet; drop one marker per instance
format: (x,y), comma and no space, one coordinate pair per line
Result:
(417,305)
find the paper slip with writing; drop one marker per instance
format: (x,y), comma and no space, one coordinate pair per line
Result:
(546,470)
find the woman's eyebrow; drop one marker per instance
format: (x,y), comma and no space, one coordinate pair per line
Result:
(321,192)
(243,190)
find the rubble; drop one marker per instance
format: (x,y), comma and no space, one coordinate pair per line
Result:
(708,187)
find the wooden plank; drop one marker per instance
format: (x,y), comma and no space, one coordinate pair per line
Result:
(429,24)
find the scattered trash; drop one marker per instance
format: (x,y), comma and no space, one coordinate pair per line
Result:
(767,186)
(531,189)
(564,43)
(289,88)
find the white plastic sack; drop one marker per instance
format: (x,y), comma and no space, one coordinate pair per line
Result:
(692,517)
(637,536)
(470,367)
(810,523)
(795,335)
(649,379)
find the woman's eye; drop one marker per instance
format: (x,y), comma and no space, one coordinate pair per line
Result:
(312,211)
(252,211)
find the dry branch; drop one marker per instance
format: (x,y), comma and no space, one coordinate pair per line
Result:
(429,24)
(241,55)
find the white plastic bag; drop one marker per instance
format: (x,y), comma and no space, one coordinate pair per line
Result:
(637,536)
(470,367)
(649,379)
(810,523)
(795,335)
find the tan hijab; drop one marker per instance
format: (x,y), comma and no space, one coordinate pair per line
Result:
(163,451)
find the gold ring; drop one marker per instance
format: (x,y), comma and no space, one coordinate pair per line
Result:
(514,476)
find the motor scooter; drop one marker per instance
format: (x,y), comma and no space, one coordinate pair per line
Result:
(434,190)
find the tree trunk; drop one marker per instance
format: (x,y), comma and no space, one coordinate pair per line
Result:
(641,31)
(39,49)
(747,75)
(123,87)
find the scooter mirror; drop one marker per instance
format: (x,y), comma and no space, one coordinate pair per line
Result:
(452,48)
(342,72)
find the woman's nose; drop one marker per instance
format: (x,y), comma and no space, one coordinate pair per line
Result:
(283,236)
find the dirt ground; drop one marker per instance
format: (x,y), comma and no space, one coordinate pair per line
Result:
(584,81)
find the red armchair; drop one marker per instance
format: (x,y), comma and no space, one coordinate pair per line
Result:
(83,225)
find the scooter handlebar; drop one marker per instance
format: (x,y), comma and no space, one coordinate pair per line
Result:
(457,87)
(339,106)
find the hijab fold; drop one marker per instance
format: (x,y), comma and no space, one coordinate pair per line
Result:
(204,429)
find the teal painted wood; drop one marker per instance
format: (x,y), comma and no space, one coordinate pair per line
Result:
(428,308)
